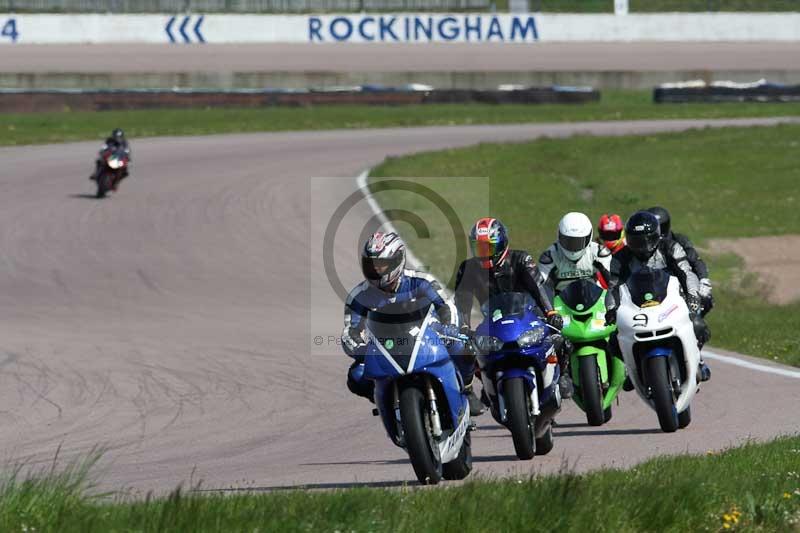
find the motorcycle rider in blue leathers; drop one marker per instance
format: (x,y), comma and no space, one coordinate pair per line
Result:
(383,260)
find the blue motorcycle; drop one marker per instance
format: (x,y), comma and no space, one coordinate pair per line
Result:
(519,371)
(419,393)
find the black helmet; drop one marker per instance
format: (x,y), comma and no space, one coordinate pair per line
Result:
(663,219)
(117,134)
(643,234)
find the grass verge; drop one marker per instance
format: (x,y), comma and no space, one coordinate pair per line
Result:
(752,488)
(557,6)
(732,182)
(660,6)
(40,128)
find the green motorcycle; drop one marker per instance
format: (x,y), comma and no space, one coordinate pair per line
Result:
(596,375)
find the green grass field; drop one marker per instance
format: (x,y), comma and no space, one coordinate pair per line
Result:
(39,128)
(732,182)
(752,488)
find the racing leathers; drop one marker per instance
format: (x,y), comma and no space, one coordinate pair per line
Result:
(113,144)
(670,256)
(365,297)
(698,267)
(516,273)
(558,271)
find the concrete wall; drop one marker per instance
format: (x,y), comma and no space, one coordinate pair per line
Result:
(422,28)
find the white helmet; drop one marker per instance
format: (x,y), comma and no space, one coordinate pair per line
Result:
(574,235)
(383,259)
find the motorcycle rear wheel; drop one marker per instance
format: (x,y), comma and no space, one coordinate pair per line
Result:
(419,441)
(544,444)
(658,379)
(520,420)
(461,466)
(685,417)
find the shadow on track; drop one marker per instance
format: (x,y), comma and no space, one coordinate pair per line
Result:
(493,458)
(598,432)
(374,462)
(85,196)
(318,486)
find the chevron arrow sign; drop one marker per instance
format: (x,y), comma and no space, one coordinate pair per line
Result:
(184,28)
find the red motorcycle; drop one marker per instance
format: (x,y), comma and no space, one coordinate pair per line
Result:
(113,169)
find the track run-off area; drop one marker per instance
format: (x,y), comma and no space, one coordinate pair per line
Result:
(173,323)
(755,57)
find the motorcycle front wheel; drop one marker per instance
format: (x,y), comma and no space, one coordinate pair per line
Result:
(591,390)
(520,420)
(419,440)
(658,379)
(103,184)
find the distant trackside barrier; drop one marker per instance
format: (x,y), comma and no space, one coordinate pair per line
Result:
(100,100)
(725,91)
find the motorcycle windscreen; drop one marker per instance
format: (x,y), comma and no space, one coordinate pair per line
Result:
(581,295)
(648,286)
(396,326)
(507,305)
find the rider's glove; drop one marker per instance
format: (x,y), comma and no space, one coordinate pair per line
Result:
(448,330)
(353,342)
(555,320)
(693,301)
(705,288)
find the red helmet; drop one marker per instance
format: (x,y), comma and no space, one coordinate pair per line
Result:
(612,232)
(489,241)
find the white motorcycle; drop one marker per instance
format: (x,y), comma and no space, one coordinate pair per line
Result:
(659,346)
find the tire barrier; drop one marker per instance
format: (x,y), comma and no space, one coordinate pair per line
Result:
(725,91)
(18,101)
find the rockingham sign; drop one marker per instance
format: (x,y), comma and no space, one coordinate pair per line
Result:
(422,28)
(198,29)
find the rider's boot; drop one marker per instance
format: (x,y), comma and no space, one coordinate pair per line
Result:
(485,398)
(565,385)
(703,372)
(564,349)
(475,405)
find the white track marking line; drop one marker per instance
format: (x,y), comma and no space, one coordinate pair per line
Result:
(785,372)
(361,180)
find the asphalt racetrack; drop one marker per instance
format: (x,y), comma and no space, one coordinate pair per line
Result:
(447,57)
(174,322)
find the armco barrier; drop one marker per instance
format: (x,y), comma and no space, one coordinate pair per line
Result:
(400,28)
(101,100)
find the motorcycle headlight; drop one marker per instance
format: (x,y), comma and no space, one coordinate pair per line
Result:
(488,343)
(114,163)
(531,337)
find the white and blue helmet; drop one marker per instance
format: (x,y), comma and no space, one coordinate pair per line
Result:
(383,259)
